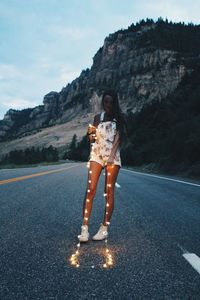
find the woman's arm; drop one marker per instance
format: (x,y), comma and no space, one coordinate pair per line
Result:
(115,146)
(92,130)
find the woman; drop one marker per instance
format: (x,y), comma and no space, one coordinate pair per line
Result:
(105,137)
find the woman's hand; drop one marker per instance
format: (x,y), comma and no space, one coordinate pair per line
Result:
(114,149)
(91,129)
(91,132)
(110,160)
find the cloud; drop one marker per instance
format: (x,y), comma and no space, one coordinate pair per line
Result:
(178,11)
(67,76)
(45,44)
(59,73)
(164,9)
(14,102)
(26,87)
(17,103)
(9,71)
(72,33)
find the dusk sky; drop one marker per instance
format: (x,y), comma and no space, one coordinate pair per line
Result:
(45,44)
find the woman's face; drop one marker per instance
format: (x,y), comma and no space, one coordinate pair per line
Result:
(108,104)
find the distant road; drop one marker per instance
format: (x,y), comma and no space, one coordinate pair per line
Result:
(154,236)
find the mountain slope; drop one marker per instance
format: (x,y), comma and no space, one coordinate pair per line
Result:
(145,63)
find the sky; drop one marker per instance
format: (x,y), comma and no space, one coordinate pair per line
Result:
(45,44)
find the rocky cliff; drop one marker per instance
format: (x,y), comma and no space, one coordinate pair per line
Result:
(144,63)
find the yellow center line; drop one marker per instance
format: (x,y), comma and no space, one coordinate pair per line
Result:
(35,175)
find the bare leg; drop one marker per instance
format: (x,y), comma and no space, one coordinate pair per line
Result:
(110,179)
(93,177)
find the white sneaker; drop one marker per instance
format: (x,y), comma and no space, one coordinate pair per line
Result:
(101,234)
(84,236)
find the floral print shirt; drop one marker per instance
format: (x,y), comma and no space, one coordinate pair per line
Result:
(105,134)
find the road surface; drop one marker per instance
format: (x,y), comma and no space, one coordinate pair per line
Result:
(154,236)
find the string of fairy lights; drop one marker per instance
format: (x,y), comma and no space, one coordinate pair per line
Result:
(74,259)
(108,258)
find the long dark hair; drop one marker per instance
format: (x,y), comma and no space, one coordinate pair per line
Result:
(117,114)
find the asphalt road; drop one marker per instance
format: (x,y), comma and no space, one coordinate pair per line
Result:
(154,236)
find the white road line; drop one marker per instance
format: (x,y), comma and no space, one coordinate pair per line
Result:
(117,185)
(162,177)
(193,260)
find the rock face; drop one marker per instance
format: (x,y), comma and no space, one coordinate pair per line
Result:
(130,61)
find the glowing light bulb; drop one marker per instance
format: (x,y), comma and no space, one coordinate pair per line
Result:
(109,184)
(72,259)
(89,181)
(88,191)
(90,171)
(105,194)
(86,218)
(88,200)
(108,173)
(107,204)
(104,265)
(107,223)
(86,211)
(106,213)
